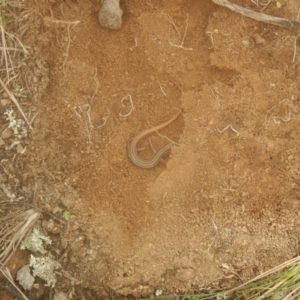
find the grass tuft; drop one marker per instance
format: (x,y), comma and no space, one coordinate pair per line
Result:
(279,283)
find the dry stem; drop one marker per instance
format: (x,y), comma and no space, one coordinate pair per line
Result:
(5,271)
(258,16)
(14,100)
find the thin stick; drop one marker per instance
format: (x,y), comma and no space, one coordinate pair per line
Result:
(217,230)
(10,195)
(4,49)
(33,118)
(47,19)
(289,263)
(8,276)
(258,16)
(14,37)
(10,49)
(67,51)
(19,231)
(265,5)
(266,116)
(295,47)
(184,35)
(162,90)
(97,84)
(14,100)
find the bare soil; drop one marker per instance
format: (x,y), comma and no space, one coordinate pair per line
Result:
(224,206)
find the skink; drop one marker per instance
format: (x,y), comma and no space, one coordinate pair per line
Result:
(155,159)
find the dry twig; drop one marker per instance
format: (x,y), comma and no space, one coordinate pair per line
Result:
(14,100)
(258,16)
(5,271)
(183,38)
(13,229)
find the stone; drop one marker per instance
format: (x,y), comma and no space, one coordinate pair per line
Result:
(6,133)
(60,296)
(24,277)
(110,15)
(185,274)
(5,102)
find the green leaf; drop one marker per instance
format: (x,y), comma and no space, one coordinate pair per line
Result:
(278,4)
(66,215)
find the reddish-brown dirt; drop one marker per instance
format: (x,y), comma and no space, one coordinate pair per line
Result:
(224,206)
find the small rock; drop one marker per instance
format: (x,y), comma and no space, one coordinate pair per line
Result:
(244,229)
(60,296)
(5,102)
(110,15)
(184,275)
(6,134)
(20,149)
(24,277)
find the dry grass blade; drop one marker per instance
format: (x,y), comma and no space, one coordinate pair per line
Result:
(4,51)
(283,281)
(18,42)
(7,62)
(13,229)
(9,42)
(280,283)
(6,273)
(14,100)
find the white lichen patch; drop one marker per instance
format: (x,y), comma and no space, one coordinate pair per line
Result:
(44,267)
(17,125)
(35,240)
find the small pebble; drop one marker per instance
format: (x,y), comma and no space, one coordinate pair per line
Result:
(184,275)
(244,229)
(6,134)
(20,149)
(5,102)
(60,296)
(24,277)
(110,15)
